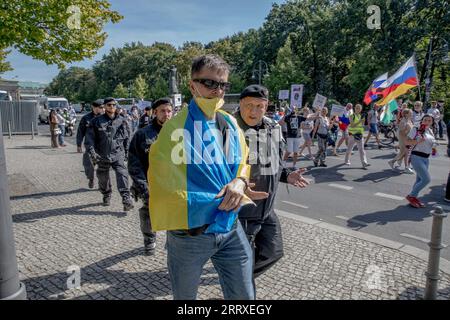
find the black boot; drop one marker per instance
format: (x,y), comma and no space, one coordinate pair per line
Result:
(149,246)
(106,200)
(91,184)
(127,205)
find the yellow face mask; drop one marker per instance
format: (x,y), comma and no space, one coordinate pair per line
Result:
(209,106)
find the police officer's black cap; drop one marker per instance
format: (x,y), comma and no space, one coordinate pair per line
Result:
(97,103)
(255,91)
(160,102)
(108,100)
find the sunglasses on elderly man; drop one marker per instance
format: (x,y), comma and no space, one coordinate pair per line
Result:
(213,85)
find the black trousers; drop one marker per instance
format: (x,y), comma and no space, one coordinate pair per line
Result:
(104,180)
(146,226)
(267,241)
(447,189)
(89,169)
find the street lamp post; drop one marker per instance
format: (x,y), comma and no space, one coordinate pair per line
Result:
(430,61)
(262,70)
(10,286)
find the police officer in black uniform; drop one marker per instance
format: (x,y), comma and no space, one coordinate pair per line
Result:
(146,118)
(85,122)
(266,145)
(138,166)
(107,141)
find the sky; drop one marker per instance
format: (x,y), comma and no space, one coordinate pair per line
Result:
(147,21)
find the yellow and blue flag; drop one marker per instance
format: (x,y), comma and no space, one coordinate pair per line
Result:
(188,166)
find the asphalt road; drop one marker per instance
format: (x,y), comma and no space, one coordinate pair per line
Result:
(371,200)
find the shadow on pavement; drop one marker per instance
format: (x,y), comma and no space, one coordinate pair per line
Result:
(379,176)
(120,284)
(77,210)
(417,293)
(402,212)
(50,194)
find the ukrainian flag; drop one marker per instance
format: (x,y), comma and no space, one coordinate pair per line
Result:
(188,166)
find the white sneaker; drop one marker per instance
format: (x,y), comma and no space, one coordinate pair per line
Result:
(408,170)
(391,164)
(365,165)
(347,163)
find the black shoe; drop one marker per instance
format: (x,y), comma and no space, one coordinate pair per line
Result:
(316,163)
(127,206)
(379,147)
(91,184)
(149,247)
(323,165)
(106,201)
(365,145)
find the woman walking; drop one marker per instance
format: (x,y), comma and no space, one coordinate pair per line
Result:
(404,127)
(322,129)
(54,130)
(307,127)
(423,142)
(356,132)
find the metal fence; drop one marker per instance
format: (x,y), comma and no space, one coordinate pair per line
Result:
(19,117)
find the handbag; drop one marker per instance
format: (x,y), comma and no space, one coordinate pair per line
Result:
(57,131)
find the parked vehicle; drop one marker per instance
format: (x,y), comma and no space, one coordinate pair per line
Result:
(48,103)
(4,95)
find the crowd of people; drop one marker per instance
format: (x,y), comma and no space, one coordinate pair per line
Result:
(225,211)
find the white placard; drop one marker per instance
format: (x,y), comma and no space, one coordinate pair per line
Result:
(283,95)
(337,110)
(296,95)
(177,100)
(319,101)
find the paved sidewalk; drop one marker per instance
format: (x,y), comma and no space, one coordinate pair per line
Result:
(59,223)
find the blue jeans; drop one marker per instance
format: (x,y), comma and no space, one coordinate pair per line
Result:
(230,253)
(420,165)
(61,136)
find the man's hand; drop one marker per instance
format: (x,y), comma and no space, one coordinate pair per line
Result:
(79,149)
(233,194)
(296,179)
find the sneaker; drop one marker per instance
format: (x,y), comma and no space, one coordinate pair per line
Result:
(408,170)
(413,201)
(106,201)
(322,164)
(420,203)
(365,145)
(391,164)
(347,163)
(365,165)
(446,199)
(149,247)
(380,147)
(128,205)
(91,184)
(316,163)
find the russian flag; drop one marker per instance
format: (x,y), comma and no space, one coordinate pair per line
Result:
(371,94)
(399,83)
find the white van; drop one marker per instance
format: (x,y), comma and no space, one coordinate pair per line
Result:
(48,103)
(4,95)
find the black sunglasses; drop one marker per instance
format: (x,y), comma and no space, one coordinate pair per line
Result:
(213,85)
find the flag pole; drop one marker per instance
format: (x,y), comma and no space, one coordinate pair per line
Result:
(417,76)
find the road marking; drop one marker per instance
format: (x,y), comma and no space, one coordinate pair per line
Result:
(426,241)
(295,204)
(389,196)
(356,221)
(340,186)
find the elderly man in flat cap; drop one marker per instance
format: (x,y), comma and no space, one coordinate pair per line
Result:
(266,144)
(138,166)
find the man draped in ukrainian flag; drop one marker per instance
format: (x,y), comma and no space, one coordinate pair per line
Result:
(198,180)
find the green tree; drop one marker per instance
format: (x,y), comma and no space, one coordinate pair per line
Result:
(139,88)
(56,32)
(4,65)
(120,91)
